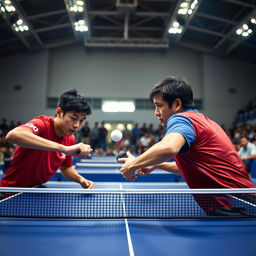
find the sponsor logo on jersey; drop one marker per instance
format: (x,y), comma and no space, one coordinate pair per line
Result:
(63,156)
(32,126)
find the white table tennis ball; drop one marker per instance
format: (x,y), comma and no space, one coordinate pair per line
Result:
(116,135)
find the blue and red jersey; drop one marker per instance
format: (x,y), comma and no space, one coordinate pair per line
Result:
(208,159)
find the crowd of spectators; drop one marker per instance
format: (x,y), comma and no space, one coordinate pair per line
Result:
(6,149)
(247,113)
(243,136)
(137,140)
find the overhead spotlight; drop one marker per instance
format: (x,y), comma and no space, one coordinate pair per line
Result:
(187,7)
(244,30)
(7,6)
(76,10)
(253,20)
(81,26)
(76,6)
(79,23)
(175,28)
(13,16)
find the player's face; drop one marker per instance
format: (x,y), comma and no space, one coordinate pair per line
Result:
(162,109)
(70,122)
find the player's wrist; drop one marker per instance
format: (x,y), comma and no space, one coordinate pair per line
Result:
(132,167)
(81,180)
(62,148)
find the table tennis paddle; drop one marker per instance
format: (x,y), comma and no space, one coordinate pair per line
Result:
(121,154)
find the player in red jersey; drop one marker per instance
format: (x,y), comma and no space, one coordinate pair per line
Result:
(46,144)
(204,155)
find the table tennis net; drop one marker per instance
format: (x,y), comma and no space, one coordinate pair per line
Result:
(95,204)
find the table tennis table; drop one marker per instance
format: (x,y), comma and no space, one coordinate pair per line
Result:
(125,236)
(108,170)
(77,237)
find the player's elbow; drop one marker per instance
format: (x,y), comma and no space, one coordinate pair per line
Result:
(173,151)
(12,136)
(170,151)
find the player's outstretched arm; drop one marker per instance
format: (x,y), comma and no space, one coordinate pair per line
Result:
(71,174)
(166,166)
(168,147)
(24,137)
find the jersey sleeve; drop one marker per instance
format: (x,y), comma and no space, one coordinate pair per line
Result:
(35,125)
(67,162)
(184,126)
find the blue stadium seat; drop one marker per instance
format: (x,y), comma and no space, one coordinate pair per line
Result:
(253,169)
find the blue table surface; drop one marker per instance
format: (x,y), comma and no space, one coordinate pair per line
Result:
(40,237)
(112,174)
(111,237)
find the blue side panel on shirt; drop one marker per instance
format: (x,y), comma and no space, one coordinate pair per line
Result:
(184,126)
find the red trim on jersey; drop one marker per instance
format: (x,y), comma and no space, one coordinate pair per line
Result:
(32,167)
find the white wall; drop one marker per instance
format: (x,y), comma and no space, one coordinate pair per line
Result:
(29,71)
(121,74)
(220,74)
(118,73)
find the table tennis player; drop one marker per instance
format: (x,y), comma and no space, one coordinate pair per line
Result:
(46,144)
(204,155)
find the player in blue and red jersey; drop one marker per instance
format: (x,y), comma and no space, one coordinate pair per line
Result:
(204,155)
(46,144)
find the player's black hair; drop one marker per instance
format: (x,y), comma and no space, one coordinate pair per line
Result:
(71,100)
(173,88)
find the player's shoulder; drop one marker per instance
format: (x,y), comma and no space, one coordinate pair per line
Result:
(41,123)
(185,116)
(43,118)
(189,113)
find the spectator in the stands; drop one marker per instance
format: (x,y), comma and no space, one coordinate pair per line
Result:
(247,152)
(102,133)
(144,143)
(94,134)
(4,127)
(143,130)
(134,137)
(85,133)
(7,156)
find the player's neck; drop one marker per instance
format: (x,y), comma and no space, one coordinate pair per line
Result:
(57,129)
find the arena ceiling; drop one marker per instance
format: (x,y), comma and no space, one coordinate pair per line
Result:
(211,26)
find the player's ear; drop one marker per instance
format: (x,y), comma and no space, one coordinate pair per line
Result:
(177,104)
(58,112)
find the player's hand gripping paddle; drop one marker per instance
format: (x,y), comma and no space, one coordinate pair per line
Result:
(121,154)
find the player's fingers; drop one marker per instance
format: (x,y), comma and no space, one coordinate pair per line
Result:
(90,184)
(84,149)
(129,154)
(140,172)
(133,178)
(128,177)
(143,171)
(122,160)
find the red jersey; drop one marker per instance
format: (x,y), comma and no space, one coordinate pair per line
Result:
(211,161)
(32,167)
